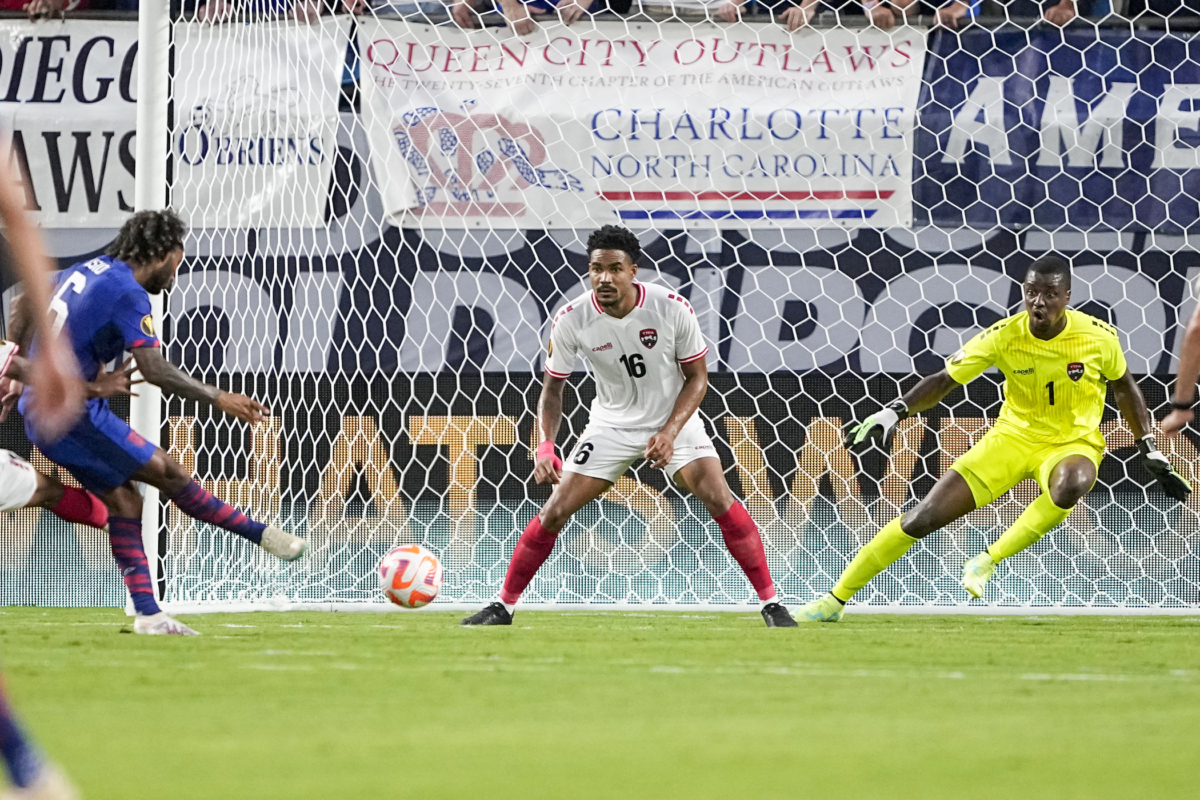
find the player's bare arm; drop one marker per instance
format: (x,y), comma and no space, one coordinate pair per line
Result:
(661,446)
(1185,381)
(548,467)
(171,379)
(879,429)
(1132,405)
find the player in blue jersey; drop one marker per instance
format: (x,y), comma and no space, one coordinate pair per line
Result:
(103,307)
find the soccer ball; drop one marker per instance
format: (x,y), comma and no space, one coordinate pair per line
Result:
(410,576)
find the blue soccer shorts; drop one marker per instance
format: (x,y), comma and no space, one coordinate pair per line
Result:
(101,451)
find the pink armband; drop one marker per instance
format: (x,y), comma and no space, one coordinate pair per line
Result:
(546,450)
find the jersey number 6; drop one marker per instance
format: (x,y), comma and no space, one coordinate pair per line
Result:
(635,365)
(59,306)
(585,451)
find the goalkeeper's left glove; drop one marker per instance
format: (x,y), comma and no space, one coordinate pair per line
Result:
(877,430)
(1160,468)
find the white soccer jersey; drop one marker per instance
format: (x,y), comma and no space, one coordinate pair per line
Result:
(635,359)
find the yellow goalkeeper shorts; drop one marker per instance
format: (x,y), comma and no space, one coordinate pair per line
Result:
(1003,458)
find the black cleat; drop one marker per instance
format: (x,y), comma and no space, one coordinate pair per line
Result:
(774,614)
(497,614)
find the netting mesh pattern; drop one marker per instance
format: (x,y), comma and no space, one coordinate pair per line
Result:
(398,337)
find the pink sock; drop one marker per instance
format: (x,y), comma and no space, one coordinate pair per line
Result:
(745,545)
(533,548)
(80,506)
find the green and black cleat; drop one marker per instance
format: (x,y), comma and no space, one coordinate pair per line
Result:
(497,614)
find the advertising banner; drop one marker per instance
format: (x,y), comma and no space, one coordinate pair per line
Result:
(658,125)
(68,93)
(256,110)
(1086,129)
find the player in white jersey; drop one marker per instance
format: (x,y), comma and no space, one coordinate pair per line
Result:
(645,349)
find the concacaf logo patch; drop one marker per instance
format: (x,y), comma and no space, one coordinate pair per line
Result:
(148,325)
(957,358)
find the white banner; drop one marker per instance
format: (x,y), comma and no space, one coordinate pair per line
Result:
(654,125)
(256,115)
(68,94)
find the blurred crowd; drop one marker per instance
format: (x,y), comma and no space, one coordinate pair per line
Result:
(523,15)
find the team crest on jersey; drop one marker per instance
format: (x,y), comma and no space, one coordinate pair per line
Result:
(1075,370)
(649,337)
(148,325)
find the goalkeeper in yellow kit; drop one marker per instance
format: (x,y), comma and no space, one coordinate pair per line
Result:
(1057,365)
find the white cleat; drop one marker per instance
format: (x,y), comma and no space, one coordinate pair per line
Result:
(51,784)
(161,625)
(279,542)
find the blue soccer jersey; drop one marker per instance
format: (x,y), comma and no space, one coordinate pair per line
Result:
(104,312)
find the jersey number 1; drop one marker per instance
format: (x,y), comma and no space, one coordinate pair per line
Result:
(635,365)
(1050,387)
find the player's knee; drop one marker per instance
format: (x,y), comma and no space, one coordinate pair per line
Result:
(921,521)
(553,517)
(1071,482)
(124,501)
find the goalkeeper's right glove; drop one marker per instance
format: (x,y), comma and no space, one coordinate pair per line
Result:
(877,430)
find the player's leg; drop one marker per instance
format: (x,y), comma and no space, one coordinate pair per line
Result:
(1065,478)
(702,476)
(125,538)
(536,542)
(168,476)
(22,486)
(994,465)
(29,773)
(69,503)
(600,457)
(949,500)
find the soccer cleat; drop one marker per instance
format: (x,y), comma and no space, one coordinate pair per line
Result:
(494,614)
(776,616)
(161,625)
(977,572)
(823,609)
(279,542)
(51,784)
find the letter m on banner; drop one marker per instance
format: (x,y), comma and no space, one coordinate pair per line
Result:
(1061,128)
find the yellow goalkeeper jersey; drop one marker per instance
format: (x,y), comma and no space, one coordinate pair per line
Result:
(1054,389)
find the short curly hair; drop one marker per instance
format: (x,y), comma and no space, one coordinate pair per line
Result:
(614,237)
(1051,266)
(148,236)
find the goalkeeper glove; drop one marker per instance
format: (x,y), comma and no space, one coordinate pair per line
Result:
(1161,470)
(877,430)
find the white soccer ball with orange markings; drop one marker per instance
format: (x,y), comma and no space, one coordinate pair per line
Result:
(410,576)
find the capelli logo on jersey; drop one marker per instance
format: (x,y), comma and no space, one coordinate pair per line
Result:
(1075,370)
(1026,371)
(605,346)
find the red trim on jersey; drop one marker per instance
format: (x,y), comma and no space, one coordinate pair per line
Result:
(690,359)
(596,303)
(554,374)
(144,343)
(641,294)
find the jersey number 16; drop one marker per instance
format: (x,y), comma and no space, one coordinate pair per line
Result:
(635,365)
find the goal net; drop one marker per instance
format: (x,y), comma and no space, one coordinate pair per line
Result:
(386,212)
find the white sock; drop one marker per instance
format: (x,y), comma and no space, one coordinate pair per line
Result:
(509,607)
(772,599)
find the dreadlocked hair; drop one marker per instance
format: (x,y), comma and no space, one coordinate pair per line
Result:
(614,237)
(147,237)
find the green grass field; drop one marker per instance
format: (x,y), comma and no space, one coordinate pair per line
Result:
(612,705)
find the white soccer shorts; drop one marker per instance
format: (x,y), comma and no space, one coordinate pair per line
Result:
(606,453)
(18,481)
